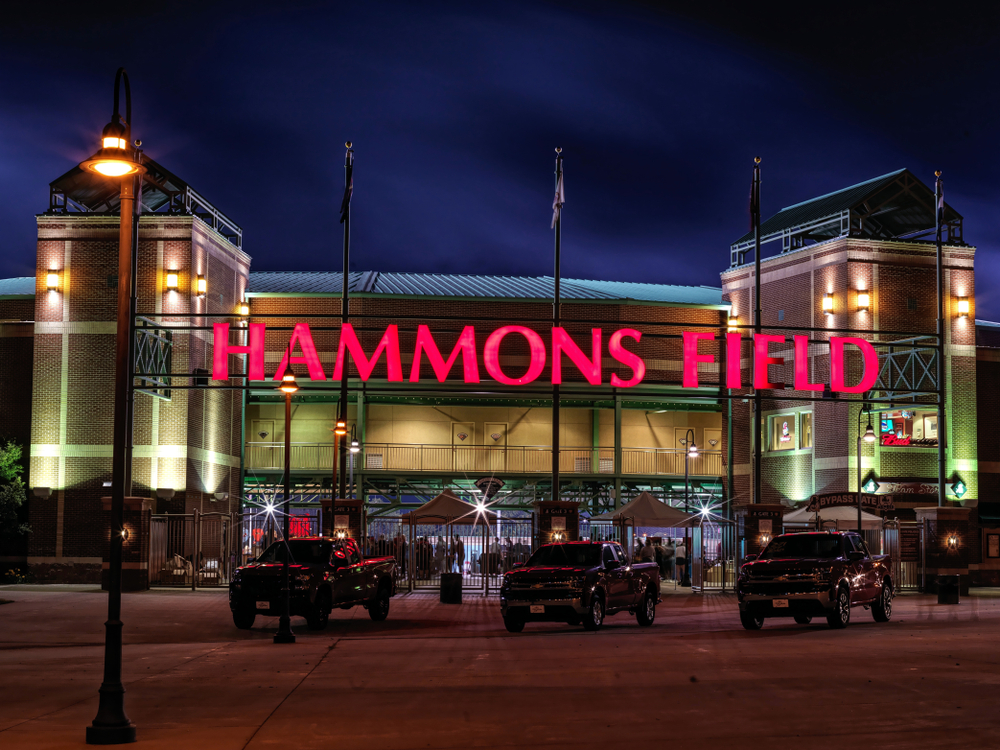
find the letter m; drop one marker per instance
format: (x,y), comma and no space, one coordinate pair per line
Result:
(389,344)
(466,345)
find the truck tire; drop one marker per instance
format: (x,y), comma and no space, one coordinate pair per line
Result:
(513,623)
(840,615)
(750,621)
(378,608)
(595,613)
(243,618)
(647,610)
(882,607)
(320,614)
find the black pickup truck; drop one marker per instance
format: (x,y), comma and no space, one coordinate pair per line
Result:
(814,573)
(323,573)
(578,583)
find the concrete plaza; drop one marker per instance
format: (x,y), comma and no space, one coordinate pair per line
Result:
(450,676)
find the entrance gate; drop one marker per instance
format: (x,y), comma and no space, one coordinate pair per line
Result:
(192,549)
(713,564)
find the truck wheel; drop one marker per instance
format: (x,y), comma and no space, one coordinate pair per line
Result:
(595,615)
(882,609)
(647,610)
(840,615)
(750,621)
(513,624)
(243,618)
(320,615)
(803,619)
(378,608)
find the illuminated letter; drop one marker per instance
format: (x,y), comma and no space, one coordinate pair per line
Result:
(734,363)
(221,349)
(466,345)
(303,336)
(869,374)
(591,369)
(627,358)
(692,358)
(491,355)
(389,344)
(761,360)
(802,366)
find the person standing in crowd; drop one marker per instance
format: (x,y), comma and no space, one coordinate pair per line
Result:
(449,564)
(680,554)
(439,553)
(460,553)
(668,559)
(648,554)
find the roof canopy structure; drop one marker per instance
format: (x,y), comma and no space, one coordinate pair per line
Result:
(448,508)
(843,517)
(375,283)
(894,206)
(646,510)
(80,191)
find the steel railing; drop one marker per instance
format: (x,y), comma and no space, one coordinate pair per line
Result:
(518,459)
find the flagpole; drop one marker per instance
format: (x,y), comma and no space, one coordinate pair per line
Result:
(557,221)
(345,218)
(941,432)
(757,438)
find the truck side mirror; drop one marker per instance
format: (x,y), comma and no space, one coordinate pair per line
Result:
(612,565)
(751,556)
(854,555)
(517,565)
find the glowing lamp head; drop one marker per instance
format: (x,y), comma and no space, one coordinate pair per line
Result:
(355,447)
(828,304)
(288,384)
(734,321)
(864,300)
(341,428)
(953,542)
(692,450)
(115,158)
(202,285)
(869,436)
(244,309)
(963,307)
(52,281)
(173,279)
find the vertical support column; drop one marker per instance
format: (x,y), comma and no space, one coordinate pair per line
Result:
(595,456)
(618,451)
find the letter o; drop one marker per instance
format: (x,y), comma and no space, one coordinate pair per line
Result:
(491,355)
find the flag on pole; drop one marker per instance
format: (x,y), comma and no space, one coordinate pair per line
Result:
(939,189)
(560,198)
(754,195)
(345,205)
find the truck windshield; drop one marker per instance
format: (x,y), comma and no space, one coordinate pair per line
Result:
(802,545)
(572,555)
(303,551)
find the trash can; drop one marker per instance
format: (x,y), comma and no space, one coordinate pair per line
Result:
(948,589)
(451,588)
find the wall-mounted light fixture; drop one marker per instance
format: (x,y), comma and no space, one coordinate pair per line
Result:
(734,320)
(953,541)
(202,285)
(124,534)
(172,281)
(828,304)
(244,309)
(963,307)
(864,301)
(765,538)
(52,281)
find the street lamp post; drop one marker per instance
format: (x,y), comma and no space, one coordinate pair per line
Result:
(867,437)
(118,157)
(691,452)
(285,634)
(355,449)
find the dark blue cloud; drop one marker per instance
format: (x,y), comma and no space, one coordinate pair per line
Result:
(454,110)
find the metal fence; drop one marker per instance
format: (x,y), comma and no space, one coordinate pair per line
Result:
(526,459)
(192,549)
(261,526)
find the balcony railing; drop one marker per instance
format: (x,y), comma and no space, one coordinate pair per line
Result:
(514,459)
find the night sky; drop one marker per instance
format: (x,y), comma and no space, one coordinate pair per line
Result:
(455,108)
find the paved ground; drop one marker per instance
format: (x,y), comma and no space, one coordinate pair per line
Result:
(449,676)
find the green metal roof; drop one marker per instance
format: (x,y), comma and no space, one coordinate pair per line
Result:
(892,206)
(476,286)
(22,286)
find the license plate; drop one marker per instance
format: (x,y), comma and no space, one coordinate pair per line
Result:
(537,609)
(779,603)
(263,605)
